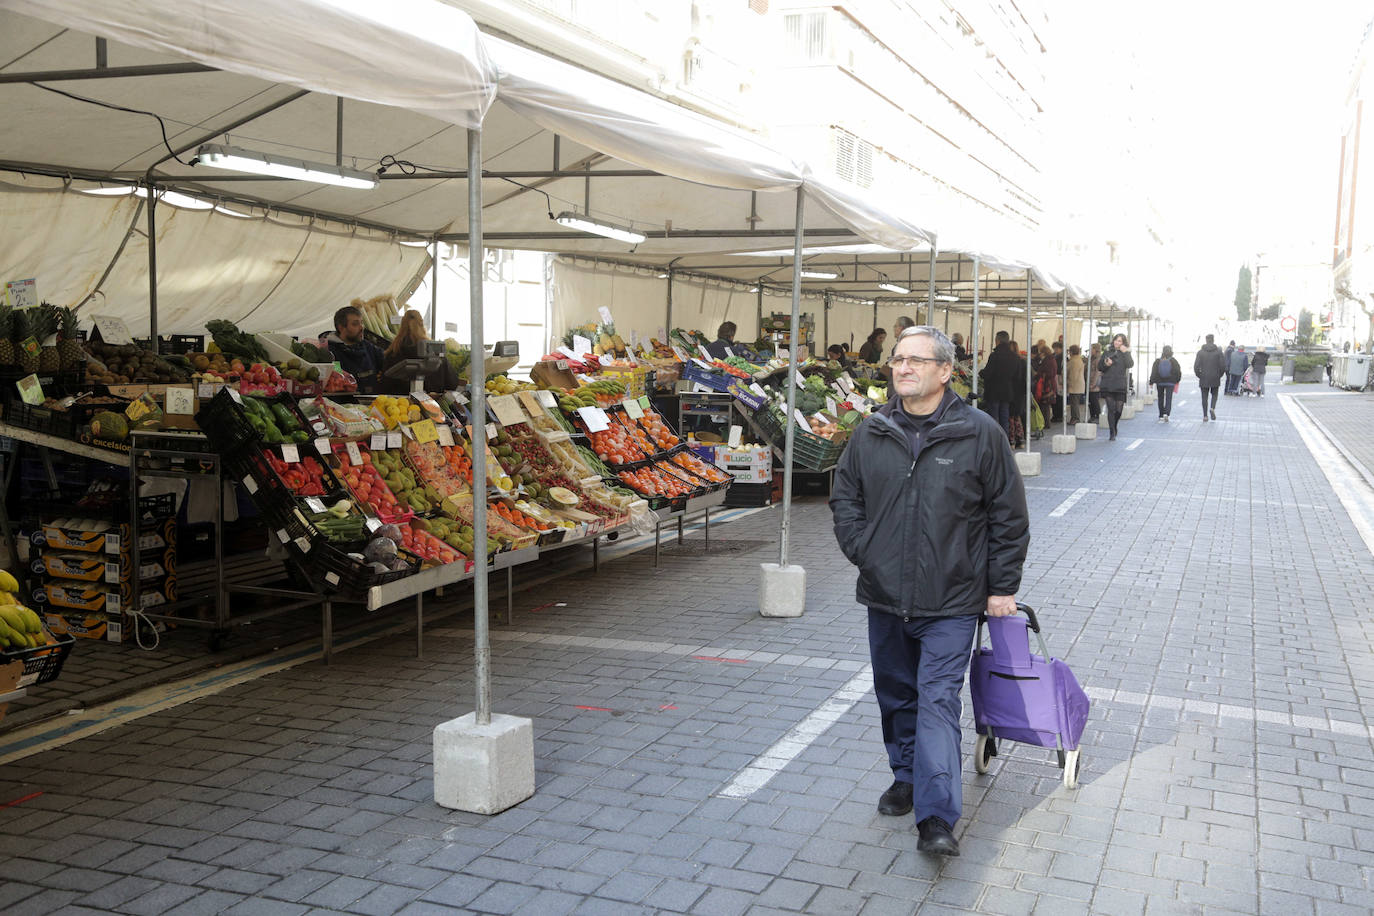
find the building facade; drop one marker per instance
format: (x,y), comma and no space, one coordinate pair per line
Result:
(1352,260)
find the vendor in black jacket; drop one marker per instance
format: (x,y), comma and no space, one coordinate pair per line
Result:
(355,354)
(929,505)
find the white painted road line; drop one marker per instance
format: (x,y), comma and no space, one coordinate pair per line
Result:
(1068,504)
(774,760)
(1135,444)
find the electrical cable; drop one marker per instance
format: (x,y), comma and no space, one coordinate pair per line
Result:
(409,168)
(81,98)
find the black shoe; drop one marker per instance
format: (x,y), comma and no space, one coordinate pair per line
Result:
(1214,415)
(936,838)
(896,801)
(1112,437)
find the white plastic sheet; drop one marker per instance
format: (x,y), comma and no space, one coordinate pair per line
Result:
(421,55)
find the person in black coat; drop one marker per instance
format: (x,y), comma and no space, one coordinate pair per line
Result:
(929,505)
(1115,364)
(1165,375)
(1258,364)
(407,346)
(1210,368)
(999,380)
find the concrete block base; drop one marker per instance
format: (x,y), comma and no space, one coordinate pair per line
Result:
(484,769)
(1028,463)
(782,590)
(1064,445)
(1128,412)
(1085,431)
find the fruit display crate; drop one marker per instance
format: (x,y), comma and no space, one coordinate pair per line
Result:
(338,572)
(225,424)
(41,663)
(60,423)
(716,381)
(809,451)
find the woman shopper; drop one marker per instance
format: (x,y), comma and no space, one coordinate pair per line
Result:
(1165,375)
(872,349)
(1046,382)
(1094,383)
(1115,365)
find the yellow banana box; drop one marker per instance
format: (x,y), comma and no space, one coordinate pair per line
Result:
(82,626)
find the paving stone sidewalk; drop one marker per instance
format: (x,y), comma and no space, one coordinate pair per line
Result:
(1207,588)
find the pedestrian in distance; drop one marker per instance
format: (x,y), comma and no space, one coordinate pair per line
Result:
(1057,348)
(999,381)
(1165,375)
(1046,383)
(960,354)
(1236,364)
(1077,381)
(1210,368)
(929,505)
(1259,363)
(1230,383)
(1094,383)
(1115,364)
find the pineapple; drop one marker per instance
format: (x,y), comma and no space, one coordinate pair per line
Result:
(43,327)
(6,345)
(68,346)
(24,320)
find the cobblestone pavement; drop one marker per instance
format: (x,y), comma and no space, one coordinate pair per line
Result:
(1205,583)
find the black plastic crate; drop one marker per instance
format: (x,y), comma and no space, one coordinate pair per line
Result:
(41,663)
(748,495)
(225,424)
(60,423)
(337,571)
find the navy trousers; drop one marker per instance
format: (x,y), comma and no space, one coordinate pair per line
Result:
(919,664)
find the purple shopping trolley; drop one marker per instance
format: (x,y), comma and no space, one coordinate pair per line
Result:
(1017,696)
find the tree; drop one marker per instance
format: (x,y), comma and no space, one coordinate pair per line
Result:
(1243,294)
(1305,327)
(1269,313)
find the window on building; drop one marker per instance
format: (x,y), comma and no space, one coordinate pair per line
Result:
(804,35)
(853,158)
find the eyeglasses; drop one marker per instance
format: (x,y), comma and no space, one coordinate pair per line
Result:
(898,362)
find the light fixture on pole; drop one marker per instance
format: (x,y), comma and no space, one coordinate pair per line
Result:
(809,274)
(893,287)
(586,223)
(241,160)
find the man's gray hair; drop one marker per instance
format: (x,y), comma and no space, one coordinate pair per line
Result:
(944,348)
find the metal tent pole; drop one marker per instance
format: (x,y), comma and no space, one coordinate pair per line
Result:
(668,328)
(477,397)
(1026,431)
(789,422)
(973,345)
(152,265)
(1088,363)
(930,286)
(433,286)
(1064,376)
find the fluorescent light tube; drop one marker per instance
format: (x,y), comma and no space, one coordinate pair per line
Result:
(893,288)
(946,298)
(599,227)
(1014,308)
(817,274)
(242,160)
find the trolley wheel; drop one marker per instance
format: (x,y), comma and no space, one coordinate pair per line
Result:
(984,749)
(1071,767)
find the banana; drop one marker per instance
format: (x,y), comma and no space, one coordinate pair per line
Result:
(35,622)
(6,599)
(13,619)
(8,582)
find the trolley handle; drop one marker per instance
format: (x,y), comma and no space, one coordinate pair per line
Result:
(1024,609)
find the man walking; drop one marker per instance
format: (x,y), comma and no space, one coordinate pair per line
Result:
(999,380)
(929,504)
(1236,365)
(1230,387)
(1210,368)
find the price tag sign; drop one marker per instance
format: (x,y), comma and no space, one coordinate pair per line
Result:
(644,401)
(595,418)
(604,312)
(582,345)
(632,408)
(322,446)
(729,351)
(235,396)
(249,484)
(206,390)
(373,524)
(303,544)
(680,353)
(830,404)
(735,433)
(702,363)
(378,441)
(492,431)
(782,353)
(801,419)
(846,383)
(314,504)
(393,439)
(507,410)
(23,294)
(530,402)
(757,389)
(180,401)
(407,432)
(445,434)
(355,457)
(797,379)
(546,398)
(113,330)
(457,397)
(30,391)
(425,431)
(290,454)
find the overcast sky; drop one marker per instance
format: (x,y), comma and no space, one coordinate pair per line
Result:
(1232,112)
